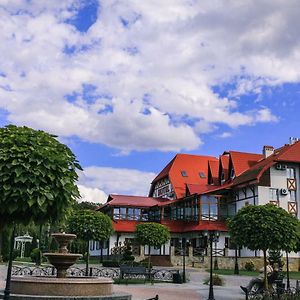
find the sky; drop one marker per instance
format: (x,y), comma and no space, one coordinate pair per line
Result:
(128,84)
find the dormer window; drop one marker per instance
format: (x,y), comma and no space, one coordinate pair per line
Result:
(222,177)
(202,175)
(183,173)
(232,173)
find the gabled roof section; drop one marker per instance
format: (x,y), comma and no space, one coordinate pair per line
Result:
(192,165)
(224,165)
(165,171)
(242,161)
(290,154)
(287,153)
(213,167)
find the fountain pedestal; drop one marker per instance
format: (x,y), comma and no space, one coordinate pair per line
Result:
(63,287)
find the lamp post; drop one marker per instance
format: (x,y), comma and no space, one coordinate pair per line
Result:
(236,265)
(216,267)
(9,268)
(212,236)
(184,244)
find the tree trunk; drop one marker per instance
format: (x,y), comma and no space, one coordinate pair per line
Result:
(1,239)
(265,270)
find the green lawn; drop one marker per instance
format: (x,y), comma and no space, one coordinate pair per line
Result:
(293,275)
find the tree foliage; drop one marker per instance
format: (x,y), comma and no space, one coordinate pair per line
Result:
(152,234)
(37,175)
(90,225)
(263,227)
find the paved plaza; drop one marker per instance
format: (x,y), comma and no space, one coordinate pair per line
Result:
(193,290)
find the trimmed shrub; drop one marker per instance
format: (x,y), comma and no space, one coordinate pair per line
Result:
(249,265)
(35,256)
(217,280)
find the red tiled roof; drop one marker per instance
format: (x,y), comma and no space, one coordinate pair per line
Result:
(242,161)
(192,165)
(182,226)
(199,189)
(137,201)
(291,154)
(125,225)
(174,226)
(287,153)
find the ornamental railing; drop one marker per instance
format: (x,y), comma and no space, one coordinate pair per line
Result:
(114,273)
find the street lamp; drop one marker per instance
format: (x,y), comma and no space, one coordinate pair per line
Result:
(236,265)
(184,245)
(216,267)
(9,268)
(213,236)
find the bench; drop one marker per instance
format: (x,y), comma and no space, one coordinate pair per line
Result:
(194,262)
(134,271)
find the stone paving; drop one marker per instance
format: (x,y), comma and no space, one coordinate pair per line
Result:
(193,290)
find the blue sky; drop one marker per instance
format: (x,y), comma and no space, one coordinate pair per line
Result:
(128,84)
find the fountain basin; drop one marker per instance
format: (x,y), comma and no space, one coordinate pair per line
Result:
(52,286)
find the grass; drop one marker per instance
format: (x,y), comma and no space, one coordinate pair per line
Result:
(131,281)
(231,272)
(293,275)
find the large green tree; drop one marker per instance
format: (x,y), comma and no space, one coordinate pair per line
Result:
(264,227)
(37,176)
(90,225)
(152,234)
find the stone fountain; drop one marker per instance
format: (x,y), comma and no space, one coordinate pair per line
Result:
(61,286)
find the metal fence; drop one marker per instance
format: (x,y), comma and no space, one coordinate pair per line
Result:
(165,275)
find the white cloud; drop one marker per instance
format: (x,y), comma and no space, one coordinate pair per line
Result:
(225,135)
(152,76)
(89,194)
(115,181)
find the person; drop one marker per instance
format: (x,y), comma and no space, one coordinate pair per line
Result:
(259,280)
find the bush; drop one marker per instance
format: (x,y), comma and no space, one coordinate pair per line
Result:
(111,263)
(35,256)
(16,253)
(249,265)
(217,280)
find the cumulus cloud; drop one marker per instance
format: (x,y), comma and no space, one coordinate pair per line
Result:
(99,181)
(143,76)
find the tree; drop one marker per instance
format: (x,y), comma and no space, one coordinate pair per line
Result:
(264,227)
(37,176)
(152,234)
(37,179)
(90,225)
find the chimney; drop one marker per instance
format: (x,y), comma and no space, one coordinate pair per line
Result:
(268,150)
(293,140)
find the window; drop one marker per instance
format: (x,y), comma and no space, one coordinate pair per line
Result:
(116,215)
(209,208)
(273,194)
(290,172)
(134,213)
(222,177)
(202,175)
(183,173)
